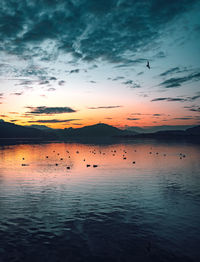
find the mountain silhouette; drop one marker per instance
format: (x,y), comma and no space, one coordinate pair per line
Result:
(97,130)
(190,133)
(10,130)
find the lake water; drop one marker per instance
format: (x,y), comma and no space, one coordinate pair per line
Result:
(141,202)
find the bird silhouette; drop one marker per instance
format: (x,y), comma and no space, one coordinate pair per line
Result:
(148,65)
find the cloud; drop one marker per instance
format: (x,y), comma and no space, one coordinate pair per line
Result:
(160,54)
(170,71)
(86,29)
(136,85)
(53,78)
(178,81)
(51,89)
(61,82)
(49,110)
(13,120)
(193,108)
(44,82)
(183,118)
(1,95)
(139,114)
(104,107)
(132,84)
(169,99)
(52,121)
(118,78)
(133,119)
(17,93)
(192,98)
(128,82)
(176,99)
(74,71)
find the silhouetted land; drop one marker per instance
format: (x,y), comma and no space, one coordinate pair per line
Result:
(99,132)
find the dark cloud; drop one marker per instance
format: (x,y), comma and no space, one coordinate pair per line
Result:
(160,54)
(183,118)
(128,62)
(171,71)
(52,121)
(87,29)
(192,98)
(193,108)
(139,114)
(118,78)
(61,82)
(52,78)
(108,118)
(136,85)
(176,99)
(49,110)
(178,81)
(131,84)
(44,82)
(51,89)
(169,99)
(17,93)
(74,71)
(104,107)
(1,95)
(128,82)
(13,120)
(133,119)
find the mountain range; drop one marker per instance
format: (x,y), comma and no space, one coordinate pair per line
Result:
(98,131)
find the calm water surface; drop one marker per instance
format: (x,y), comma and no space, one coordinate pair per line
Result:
(141,202)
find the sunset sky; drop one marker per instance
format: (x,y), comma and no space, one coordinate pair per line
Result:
(80,62)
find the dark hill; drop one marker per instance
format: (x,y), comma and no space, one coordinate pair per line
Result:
(98,130)
(10,130)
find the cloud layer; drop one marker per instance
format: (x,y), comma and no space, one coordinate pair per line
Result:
(87,29)
(40,110)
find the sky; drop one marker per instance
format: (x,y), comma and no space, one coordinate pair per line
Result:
(71,63)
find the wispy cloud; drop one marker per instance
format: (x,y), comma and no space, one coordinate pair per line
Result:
(176,99)
(61,82)
(133,119)
(183,118)
(74,71)
(169,99)
(51,89)
(104,107)
(193,108)
(178,81)
(49,110)
(17,93)
(52,121)
(173,70)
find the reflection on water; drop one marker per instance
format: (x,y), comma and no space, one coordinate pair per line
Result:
(140,202)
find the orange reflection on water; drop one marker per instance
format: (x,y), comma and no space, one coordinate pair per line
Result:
(61,159)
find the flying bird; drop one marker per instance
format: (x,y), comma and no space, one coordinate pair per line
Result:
(148,65)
